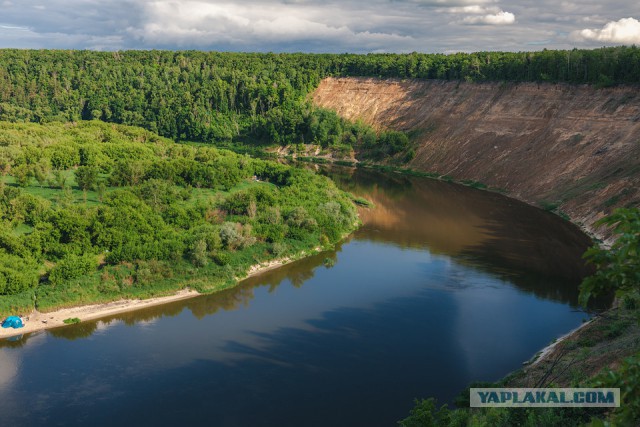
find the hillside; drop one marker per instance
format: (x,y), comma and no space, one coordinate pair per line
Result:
(576,148)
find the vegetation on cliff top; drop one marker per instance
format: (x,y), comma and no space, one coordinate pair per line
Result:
(259,98)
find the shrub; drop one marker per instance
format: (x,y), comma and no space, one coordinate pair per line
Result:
(198,253)
(71,267)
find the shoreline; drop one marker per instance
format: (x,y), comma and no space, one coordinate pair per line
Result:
(545,352)
(38,321)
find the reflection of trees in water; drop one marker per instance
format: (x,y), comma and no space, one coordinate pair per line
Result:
(227,300)
(363,181)
(533,249)
(73,332)
(296,273)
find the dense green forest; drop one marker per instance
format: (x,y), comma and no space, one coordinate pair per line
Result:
(92,212)
(259,98)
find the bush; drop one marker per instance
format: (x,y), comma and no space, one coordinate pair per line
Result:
(221,258)
(618,269)
(198,253)
(14,281)
(72,267)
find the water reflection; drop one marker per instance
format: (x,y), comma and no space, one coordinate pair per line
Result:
(527,247)
(533,249)
(419,302)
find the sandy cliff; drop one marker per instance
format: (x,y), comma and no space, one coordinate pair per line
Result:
(575,146)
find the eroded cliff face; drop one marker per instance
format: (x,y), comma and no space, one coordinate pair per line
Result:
(574,146)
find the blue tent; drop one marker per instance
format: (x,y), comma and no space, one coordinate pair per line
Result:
(12,322)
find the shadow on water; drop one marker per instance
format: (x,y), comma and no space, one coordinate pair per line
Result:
(334,365)
(533,249)
(419,302)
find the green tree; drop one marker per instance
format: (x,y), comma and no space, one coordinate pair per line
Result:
(72,267)
(22,174)
(86,177)
(198,253)
(617,268)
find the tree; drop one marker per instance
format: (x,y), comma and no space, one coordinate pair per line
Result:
(618,268)
(59,179)
(86,177)
(22,174)
(198,253)
(41,170)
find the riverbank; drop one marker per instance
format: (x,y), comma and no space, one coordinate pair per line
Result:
(599,234)
(37,321)
(583,353)
(571,148)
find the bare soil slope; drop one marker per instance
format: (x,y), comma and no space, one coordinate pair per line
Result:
(574,146)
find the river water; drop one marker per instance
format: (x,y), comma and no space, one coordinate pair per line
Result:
(443,285)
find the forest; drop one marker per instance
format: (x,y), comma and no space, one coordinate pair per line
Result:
(93,212)
(257,99)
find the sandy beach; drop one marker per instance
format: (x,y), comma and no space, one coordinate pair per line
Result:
(36,321)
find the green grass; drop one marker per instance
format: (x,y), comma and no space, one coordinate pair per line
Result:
(18,304)
(55,194)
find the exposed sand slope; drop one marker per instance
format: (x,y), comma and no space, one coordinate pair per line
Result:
(578,146)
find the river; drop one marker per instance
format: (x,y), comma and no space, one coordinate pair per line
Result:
(443,285)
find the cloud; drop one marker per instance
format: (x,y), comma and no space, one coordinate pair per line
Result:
(203,24)
(624,31)
(477,9)
(308,25)
(500,18)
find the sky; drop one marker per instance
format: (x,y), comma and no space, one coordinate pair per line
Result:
(332,26)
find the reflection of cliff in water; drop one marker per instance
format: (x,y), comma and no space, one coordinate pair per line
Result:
(531,248)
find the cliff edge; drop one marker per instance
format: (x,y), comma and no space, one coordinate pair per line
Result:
(575,147)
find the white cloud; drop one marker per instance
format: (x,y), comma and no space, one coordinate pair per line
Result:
(500,18)
(455,2)
(474,9)
(624,31)
(13,27)
(309,25)
(197,23)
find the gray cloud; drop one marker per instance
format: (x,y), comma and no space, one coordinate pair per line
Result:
(317,25)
